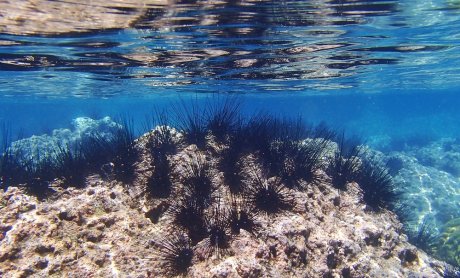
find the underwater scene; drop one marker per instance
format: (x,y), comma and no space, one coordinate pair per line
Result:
(230,138)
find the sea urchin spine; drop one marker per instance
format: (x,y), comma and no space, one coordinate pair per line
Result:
(176,253)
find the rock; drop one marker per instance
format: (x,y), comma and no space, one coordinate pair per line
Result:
(44,249)
(116,231)
(41,147)
(408,255)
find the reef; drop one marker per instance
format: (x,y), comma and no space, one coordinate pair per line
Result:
(220,197)
(427,177)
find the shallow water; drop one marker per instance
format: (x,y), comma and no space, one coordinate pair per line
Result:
(387,71)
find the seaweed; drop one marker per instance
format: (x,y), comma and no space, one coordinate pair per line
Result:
(376,184)
(176,253)
(449,242)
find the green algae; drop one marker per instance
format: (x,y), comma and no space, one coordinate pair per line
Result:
(449,242)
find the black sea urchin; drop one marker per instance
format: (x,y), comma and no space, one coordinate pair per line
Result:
(222,117)
(117,151)
(376,184)
(37,174)
(188,214)
(159,184)
(344,165)
(424,236)
(191,121)
(72,165)
(218,232)
(11,170)
(258,133)
(293,161)
(241,217)
(197,180)
(161,142)
(232,168)
(268,196)
(175,253)
(124,152)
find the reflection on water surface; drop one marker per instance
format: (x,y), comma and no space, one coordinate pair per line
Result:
(195,45)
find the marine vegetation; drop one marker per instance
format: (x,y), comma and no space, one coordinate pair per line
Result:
(448,247)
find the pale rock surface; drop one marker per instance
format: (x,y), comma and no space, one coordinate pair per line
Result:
(112,230)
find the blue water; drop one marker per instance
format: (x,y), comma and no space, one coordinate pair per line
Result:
(351,63)
(387,71)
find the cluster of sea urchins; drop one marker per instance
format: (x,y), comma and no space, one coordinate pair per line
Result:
(242,168)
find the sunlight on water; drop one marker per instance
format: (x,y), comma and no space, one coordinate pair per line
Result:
(197,46)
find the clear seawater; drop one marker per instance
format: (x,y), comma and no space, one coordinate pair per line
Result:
(387,71)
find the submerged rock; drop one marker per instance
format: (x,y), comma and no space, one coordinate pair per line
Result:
(449,243)
(109,229)
(41,147)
